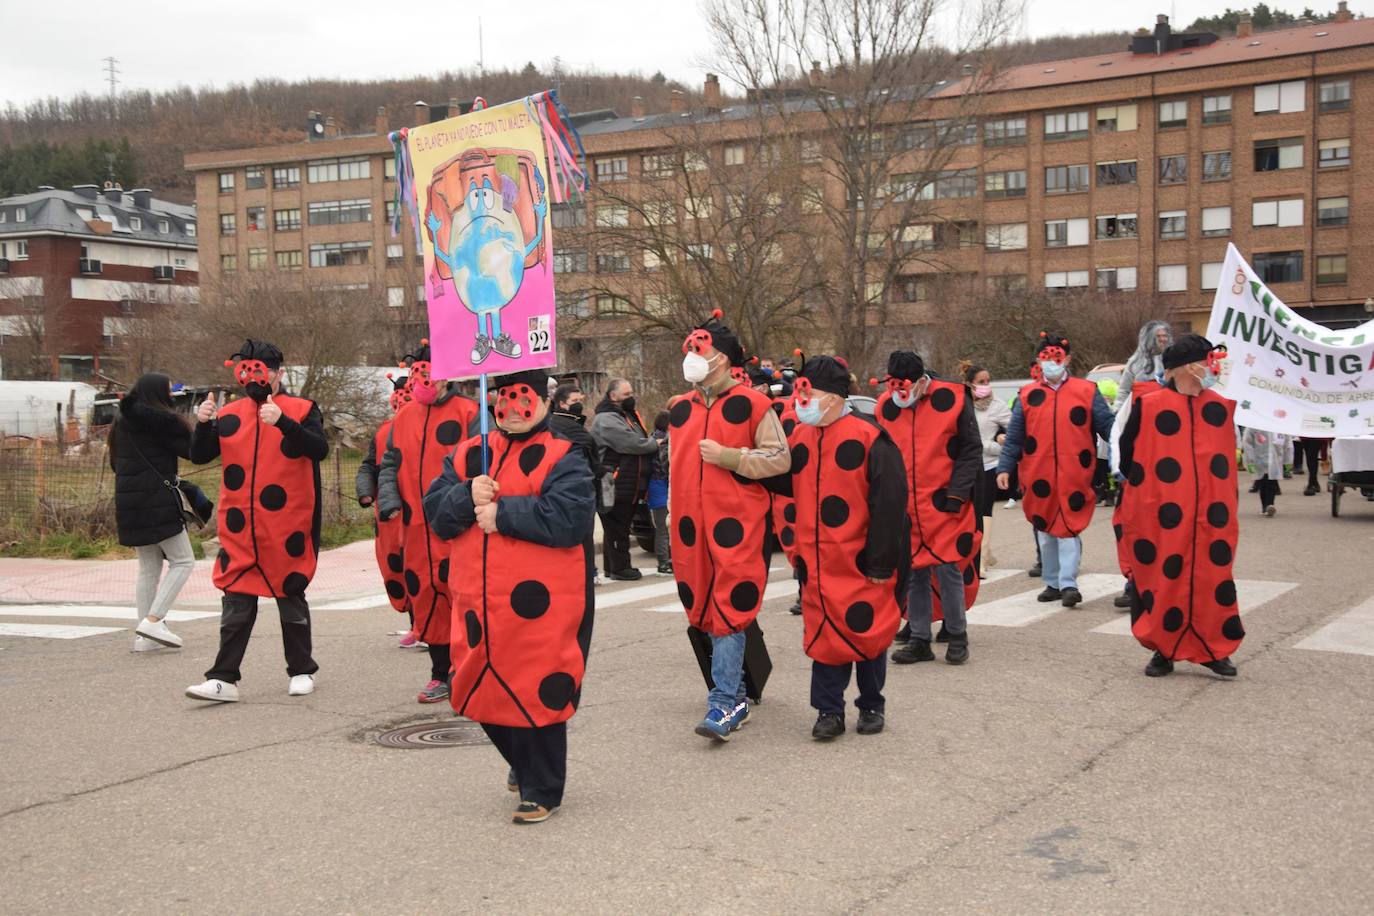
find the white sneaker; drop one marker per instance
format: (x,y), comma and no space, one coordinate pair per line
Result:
(601,580)
(143,644)
(1011,504)
(301,685)
(158,633)
(214,690)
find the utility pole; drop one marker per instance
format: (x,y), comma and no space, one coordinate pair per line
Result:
(481,56)
(112,77)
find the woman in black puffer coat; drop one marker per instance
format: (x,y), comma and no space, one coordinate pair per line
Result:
(145,442)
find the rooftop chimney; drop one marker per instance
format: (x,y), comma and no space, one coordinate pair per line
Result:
(143,198)
(1162,31)
(712,92)
(114,193)
(637,109)
(88,191)
(816,75)
(677,101)
(331,129)
(1245,27)
(421,114)
(1343,12)
(381,125)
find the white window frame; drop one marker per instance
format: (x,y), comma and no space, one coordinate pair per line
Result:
(1211,275)
(1216,221)
(1285,213)
(734,154)
(1006,236)
(1173,215)
(395,296)
(1281,98)
(1213,107)
(1124,279)
(1173,114)
(1172,278)
(1119,218)
(1066,279)
(1333,145)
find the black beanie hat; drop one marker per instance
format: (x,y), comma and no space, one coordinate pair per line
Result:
(537,379)
(904,364)
(421,354)
(398,382)
(262,351)
(723,339)
(826,373)
(1190,348)
(1048,339)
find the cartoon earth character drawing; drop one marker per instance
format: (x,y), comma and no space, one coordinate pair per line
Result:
(485,216)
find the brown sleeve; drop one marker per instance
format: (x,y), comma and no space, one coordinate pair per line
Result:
(768,458)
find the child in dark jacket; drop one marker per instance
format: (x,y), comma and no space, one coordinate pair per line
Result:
(658,496)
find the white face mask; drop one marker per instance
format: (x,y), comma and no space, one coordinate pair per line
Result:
(695,368)
(904,400)
(1051,370)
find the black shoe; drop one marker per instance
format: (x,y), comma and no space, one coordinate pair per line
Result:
(1312,490)
(957,653)
(1034,571)
(1123,600)
(1071,596)
(626,575)
(1254,487)
(512,784)
(870,722)
(904,634)
(1222,666)
(828,725)
(942,636)
(1049,594)
(1159,666)
(795,609)
(918,650)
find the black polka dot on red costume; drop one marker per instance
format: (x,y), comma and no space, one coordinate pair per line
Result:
(1220,466)
(1085,458)
(289,448)
(744,597)
(736,409)
(449,432)
(1218,515)
(1231,628)
(937,499)
(687,531)
(969,574)
(1077,500)
(1135,474)
(891,411)
(1168,470)
(1214,413)
(834,511)
(777,408)
(964,543)
(227,425)
(788,537)
(531,456)
(850,455)
(235,520)
(789,513)
(1170,516)
(942,399)
(788,426)
(1226,593)
(1173,620)
(441,571)
(472,462)
(406,512)
(273,497)
(801,568)
(1041,488)
(295,544)
(1168,423)
(395,563)
(473,625)
(728,532)
(295,583)
(684,594)
(1118,531)
(1173,565)
(1038,522)
(395,589)
(1030,446)
(1144,550)
(530,599)
(1147,600)
(800,455)
(859,617)
(412,582)
(1078,416)
(233,476)
(1219,553)
(1036,397)
(556,690)
(223,558)
(680,412)
(952,448)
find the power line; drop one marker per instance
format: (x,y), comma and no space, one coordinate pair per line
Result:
(112,74)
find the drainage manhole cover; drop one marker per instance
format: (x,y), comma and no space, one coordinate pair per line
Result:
(433,734)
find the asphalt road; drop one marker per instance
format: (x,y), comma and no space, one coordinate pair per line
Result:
(1046,776)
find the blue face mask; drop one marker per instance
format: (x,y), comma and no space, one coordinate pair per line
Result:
(1209,380)
(809,414)
(1051,370)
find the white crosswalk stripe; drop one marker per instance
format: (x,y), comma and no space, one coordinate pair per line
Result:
(1023,609)
(1251,594)
(53,631)
(1352,632)
(67,612)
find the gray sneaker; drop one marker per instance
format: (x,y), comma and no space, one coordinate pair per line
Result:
(506,346)
(481,349)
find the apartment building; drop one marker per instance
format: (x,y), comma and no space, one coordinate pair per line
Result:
(78,266)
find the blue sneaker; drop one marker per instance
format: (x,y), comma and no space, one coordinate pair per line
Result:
(717,724)
(740,715)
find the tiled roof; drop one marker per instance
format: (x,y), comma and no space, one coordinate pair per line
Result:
(66,212)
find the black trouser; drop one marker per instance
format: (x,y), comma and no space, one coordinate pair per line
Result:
(439,662)
(615,534)
(1309,451)
(238,613)
(539,758)
(828,683)
(1268,489)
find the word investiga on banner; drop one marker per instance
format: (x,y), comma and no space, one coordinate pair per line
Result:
(1288,374)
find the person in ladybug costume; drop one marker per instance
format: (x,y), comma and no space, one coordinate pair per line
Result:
(724,440)
(933,424)
(1052,444)
(422,435)
(389,540)
(852,546)
(521,531)
(768,381)
(1178,452)
(270,445)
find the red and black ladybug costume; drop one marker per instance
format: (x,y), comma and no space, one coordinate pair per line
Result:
(390,541)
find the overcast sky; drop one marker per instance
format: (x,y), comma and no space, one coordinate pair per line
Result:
(56,48)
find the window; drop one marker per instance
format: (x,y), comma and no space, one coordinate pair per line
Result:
(1333,96)
(701,252)
(810,151)
(1116,119)
(1109,278)
(1066,279)
(390,211)
(1281,98)
(135,224)
(1070,125)
(228,224)
(253,178)
(572,305)
(1331,268)
(960,133)
(1277,213)
(734,154)
(949,235)
(1173,224)
(908,289)
(1173,278)
(340,254)
(226,182)
(350,169)
(21,250)
(612,307)
(257,258)
(257,218)
(1006,132)
(335,212)
(695,162)
(1216,166)
(1005,237)
(657,165)
(570,260)
(1004,184)
(1216,109)
(1271,155)
(286,176)
(958,183)
(191,230)
(389,168)
(1278,266)
(1333,211)
(228,262)
(921,136)
(1211,275)
(1216,221)
(289,260)
(664,213)
(1119,226)
(1173,114)
(920,237)
(697,207)
(612,262)
(21,215)
(614,169)
(1173,169)
(652,261)
(164,226)
(395,296)
(609,216)
(1006,283)
(568,216)
(1333,154)
(1116,173)
(1066,233)
(1066,179)
(395,254)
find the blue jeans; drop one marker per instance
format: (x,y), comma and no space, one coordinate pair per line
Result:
(920,605)
(1059,559)
(727,671)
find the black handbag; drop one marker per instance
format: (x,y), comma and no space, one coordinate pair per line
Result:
(195,508)
(757,663)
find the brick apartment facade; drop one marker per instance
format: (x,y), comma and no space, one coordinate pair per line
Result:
(76,267)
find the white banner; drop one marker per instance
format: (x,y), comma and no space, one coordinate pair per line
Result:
(1285,373)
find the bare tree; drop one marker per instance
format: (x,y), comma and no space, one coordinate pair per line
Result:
(32,307)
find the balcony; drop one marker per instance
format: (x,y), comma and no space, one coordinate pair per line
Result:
(164,273)
(90,267)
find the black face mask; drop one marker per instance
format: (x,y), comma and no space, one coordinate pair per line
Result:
(574,409)
(258,391)
(628,405)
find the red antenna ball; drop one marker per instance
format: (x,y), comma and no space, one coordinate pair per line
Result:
(717,313)
(228,363)
(424,341)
